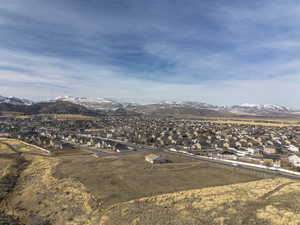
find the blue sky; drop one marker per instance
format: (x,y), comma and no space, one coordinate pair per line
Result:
(217,51)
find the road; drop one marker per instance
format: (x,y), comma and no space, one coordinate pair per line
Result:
(236,165)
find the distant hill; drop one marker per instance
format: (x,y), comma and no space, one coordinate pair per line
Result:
(58,107)
(174,108)
(92,103)
(255,109)
(9,107)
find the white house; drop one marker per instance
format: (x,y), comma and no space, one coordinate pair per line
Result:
(251,151)
(294,160)
(293,148)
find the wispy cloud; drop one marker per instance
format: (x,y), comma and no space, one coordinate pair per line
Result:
(216,51)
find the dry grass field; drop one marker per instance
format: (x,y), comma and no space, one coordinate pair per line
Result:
(80,189)
(263,202)
(23,116)
(7,158)
(60,116)
(23,147)
(122,178)
(269,122)
(73,117)
(265,124)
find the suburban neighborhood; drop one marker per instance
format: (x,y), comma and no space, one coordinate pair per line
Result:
(274,146)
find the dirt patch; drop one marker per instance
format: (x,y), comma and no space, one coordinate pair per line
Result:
(9,220)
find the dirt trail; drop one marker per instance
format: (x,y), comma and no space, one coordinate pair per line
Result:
(278,188)
(11,175)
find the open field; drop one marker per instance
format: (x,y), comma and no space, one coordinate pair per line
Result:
(73,117)
(245,118)
(58,116)
(61,116)
(7,158)
(22,147)
(80,189)
(272,122)
(23,116)
(121,178)
(266,124)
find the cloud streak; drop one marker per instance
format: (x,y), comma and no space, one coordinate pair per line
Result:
(147,51)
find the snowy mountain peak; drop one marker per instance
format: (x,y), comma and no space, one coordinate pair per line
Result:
(82,99)
(257,109)
(15,100)
(249,105)
(192,104)
(91,103)
(266,106)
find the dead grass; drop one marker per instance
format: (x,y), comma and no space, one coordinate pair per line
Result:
(63,201)
(23,147)
(4,149)
(73,117)
(231,204)
(127,177)
(253,123)
(24,116)
(6,158)
(270,122)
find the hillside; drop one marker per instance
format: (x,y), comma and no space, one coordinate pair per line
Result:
(58,107)
(15,100)
(92,103)
(166,109)
(264,202)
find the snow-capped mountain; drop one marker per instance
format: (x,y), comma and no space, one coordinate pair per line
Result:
(176,106)
(171,107)
(192,104)
(257,109)
(166,107)
(91,103)
(15,100)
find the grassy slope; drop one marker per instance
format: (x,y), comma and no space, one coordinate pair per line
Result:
(269,201)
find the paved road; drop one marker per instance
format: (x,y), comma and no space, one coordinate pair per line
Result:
(98,152)
(259,170)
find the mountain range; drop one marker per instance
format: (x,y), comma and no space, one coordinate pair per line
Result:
(165,107)
(15,100)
